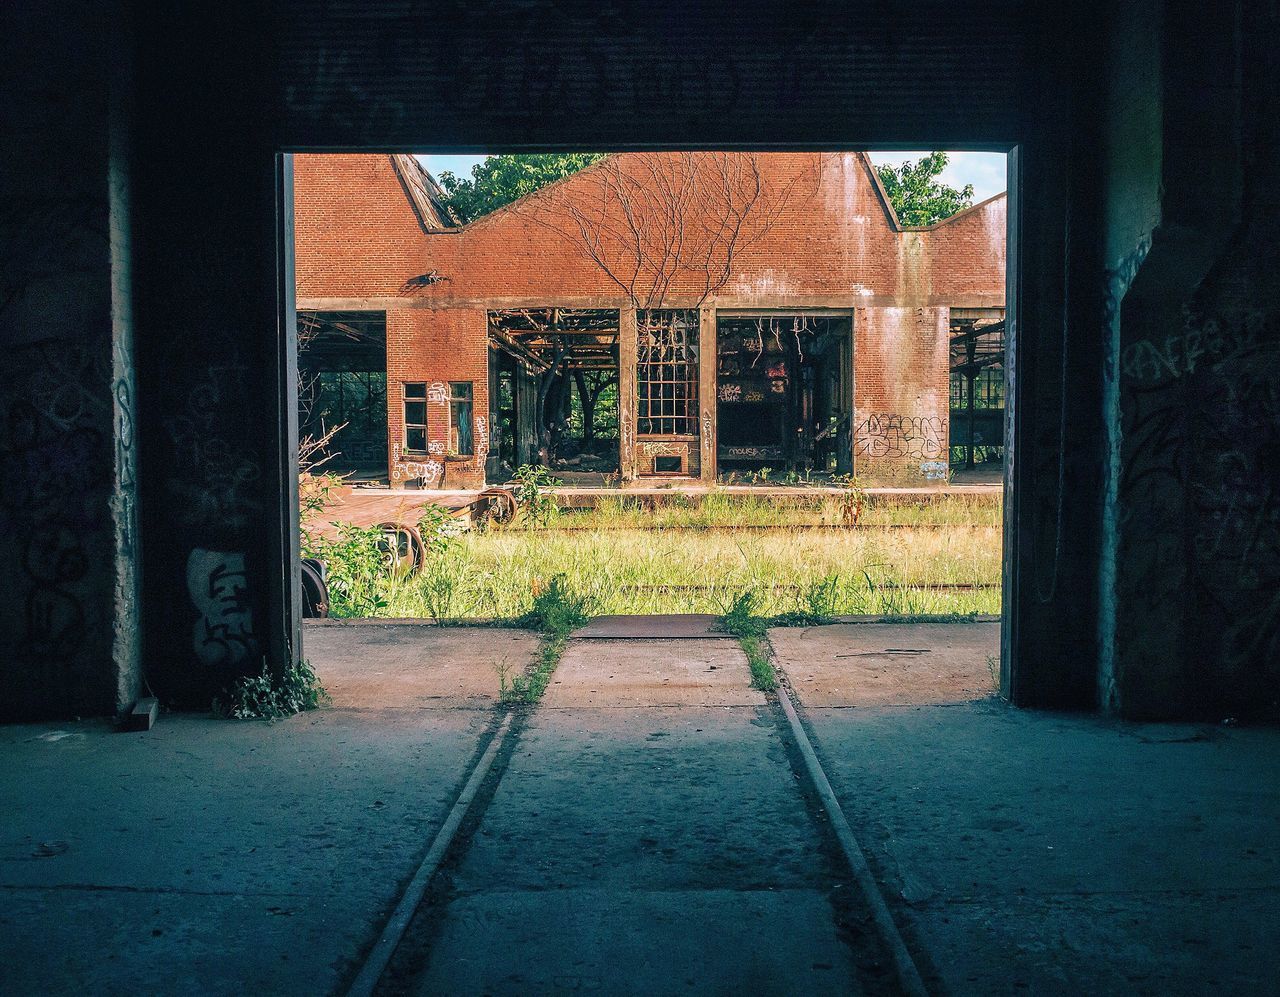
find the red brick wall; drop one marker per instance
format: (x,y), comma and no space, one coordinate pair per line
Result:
(831,242)
(830,237)
(968,252)
(437,346)
(901,394)
(355,233)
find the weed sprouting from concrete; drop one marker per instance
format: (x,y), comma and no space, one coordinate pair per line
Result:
(266,696)
(557,612)
(743,621)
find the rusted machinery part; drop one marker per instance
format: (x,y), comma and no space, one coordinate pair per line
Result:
(315,591)
(502,504)
(403,543)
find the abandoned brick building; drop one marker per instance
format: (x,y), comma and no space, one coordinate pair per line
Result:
(706,314)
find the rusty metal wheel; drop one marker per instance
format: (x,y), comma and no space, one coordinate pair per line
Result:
(502,504)
(315,592)
(404,547)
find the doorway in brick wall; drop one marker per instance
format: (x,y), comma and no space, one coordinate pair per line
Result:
(661,383)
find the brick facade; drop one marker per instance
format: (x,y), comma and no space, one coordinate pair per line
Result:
(831,245)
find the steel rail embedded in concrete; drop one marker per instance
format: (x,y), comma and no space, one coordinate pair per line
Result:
(904,966)
(380,955)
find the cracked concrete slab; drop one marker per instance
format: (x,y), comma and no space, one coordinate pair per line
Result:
(1050,853)
(662,850)
(889,664)
(628,673)
(226,854)
(367,665)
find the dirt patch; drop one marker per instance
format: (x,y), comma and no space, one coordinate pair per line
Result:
(891,664)
(367,665)
(605,673)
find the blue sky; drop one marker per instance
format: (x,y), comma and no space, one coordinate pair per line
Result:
(985,170)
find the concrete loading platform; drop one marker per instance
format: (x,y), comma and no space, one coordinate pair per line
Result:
(648,827)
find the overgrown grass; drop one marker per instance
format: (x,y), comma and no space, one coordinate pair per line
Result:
(556,613)
(743,621)
(720,510)
(687,557)
(827,573)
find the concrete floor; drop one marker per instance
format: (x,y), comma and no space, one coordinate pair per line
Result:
(633,838)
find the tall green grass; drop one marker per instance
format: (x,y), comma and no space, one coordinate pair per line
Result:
(630,560)
(720,510)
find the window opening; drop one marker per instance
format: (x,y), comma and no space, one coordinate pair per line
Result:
(415,416)
(460,435)
(667,373)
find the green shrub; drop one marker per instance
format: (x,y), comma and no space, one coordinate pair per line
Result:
(557,611)
(535,505)
(357,569)
(440,532)
(266,697)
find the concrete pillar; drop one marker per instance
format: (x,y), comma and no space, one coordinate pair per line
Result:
(216,394)
(68,487)
(707,392)
(627,393)
(1193,628)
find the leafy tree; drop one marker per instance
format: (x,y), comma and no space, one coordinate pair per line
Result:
(916,194)
(500,180)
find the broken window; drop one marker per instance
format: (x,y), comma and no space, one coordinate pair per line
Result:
(415,416)
(460,438)
(667,373)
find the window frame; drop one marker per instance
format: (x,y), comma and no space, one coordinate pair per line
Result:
(454,437)
(406,399)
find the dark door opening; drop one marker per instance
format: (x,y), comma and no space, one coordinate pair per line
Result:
(784,393)
(555,371)
(342,393)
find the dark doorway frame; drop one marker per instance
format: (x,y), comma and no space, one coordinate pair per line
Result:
(1015,530)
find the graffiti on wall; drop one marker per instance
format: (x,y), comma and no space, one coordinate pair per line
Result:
(934,470)
(437,393)
(56,479)
(1150,362)
(663,448)
(429,472)
(482,438)
(218,584)
(885,434)
(214,483)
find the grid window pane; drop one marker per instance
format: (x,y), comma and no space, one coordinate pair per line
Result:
(667,373)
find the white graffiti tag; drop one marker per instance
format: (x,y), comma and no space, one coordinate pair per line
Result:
(218,585)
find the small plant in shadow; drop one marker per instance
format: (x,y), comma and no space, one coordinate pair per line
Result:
(993,668)
(266,696)
(742,619)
